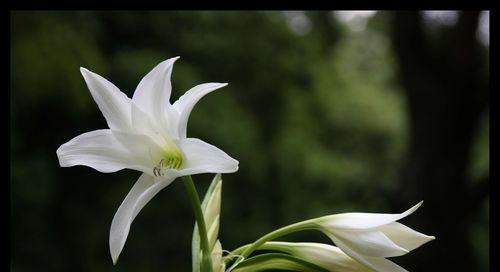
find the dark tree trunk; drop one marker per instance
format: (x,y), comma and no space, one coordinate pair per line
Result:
(446,84)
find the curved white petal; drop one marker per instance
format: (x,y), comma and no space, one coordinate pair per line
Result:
(186,102)
(384,265)
(369,243)
(201,157)
(326,256)
(152,94)
(404,236)
(98,149)
(141,193)
(114,105)
(363,220)
(378,264)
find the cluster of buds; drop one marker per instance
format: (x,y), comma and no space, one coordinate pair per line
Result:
(363,242)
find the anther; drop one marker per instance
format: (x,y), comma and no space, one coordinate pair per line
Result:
(157,169)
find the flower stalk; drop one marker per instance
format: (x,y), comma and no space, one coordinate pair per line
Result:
(247,250)
(195,203)
(277,261)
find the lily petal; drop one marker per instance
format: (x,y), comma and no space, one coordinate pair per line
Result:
(327,256)
(201,157)
(142,148)
(363,220)
(142,123)
(152,94)
(405,236)
(184,105)
(98,149)
(384,265)
(369,243)
(114,105)
(376,263)
(141,193)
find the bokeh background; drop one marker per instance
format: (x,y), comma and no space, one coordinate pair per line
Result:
(327,112)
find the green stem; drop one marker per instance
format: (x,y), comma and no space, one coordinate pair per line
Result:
(277,261)
(266,246)
(249,249)
(200,219)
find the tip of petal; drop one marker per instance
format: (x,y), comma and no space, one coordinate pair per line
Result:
(84,71)
(60,158)
(236,166)
(116,242)
(413,209)
(216,85)
(115,254)
(172,60)
(167,64)
(115,260)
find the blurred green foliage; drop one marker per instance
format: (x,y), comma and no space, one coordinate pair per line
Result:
(317,121)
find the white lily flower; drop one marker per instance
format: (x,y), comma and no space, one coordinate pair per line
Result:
(148,134)
(370,237)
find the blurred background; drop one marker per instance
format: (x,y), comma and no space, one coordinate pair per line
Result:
(327,112)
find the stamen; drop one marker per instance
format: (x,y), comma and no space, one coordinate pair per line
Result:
(157,170)
(170,162)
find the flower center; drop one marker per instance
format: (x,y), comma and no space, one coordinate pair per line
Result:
(172,159)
